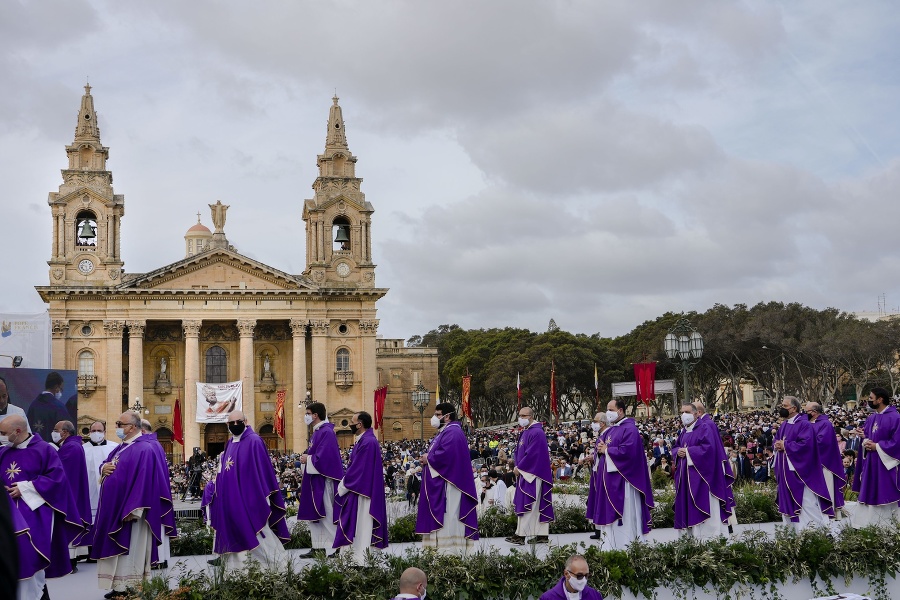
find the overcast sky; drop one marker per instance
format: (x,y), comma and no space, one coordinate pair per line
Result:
(598,163)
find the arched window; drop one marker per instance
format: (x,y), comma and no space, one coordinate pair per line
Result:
(216,365)
(85,229)
(340,233)
(85,363)
(343,360)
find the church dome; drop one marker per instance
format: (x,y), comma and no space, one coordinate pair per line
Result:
(197,238)
(199,228)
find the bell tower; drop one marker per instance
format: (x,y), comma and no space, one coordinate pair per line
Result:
(338,217)
(86,213)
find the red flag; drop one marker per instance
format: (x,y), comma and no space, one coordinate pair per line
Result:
(645,380)
(279,412)
(178,433)
(380,396)
(553,406)
(466,389)
(518,390)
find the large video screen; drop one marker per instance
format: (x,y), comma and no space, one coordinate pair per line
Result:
(46,396)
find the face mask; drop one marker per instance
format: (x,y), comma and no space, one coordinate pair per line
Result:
(783,412)
(55,436)
(97,436)
(120,433)
(577,584)
(611,416)
(595,427)
(308,419)
(58,395)
(871,405)
(523,422)
(687,418)
(435,421)
(354,428)
(4,440)
(424,593)
(237,429)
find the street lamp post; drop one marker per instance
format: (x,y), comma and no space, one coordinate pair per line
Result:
(684,345)
(16,360)
(420,399)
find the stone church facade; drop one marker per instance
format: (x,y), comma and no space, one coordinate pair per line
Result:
(217,315)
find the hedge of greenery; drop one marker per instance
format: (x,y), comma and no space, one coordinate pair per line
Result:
(724,568)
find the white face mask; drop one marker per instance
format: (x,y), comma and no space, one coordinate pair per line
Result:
(435,421)
(120,433)
(611,416)
(595,427)
(308,419)
(58,395)
(55,436)
(523,422)
(97,436)
(687,418)
(577,584)
(4,440)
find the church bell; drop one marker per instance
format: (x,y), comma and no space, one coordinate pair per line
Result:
(86,232)
(341,235)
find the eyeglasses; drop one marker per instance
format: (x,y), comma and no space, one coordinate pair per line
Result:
(234,422)
(119,424)
(579,576)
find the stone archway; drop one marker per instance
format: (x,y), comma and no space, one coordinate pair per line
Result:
(164,437)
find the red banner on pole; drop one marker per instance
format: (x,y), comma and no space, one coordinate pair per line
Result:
(279,412)
(645,379)
(466,389)
(177,428)
(554,407)
(380,397)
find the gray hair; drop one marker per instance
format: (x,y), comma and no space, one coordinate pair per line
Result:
(795,402)
(134,418)
(146,426)
(572,559)
(68,427)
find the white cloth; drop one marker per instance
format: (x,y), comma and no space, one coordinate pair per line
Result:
(867,514)
(530,524)
(500,493)
(708,529)
(618,537)
(810,512)
(12,409)
(93,456)
(324,530)
(128,570)
(362,538)
(451,538)
(32,588)
(269,553)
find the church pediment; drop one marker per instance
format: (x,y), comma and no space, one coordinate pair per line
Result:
(218,270)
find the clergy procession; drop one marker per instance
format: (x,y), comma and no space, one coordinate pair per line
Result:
(111,502)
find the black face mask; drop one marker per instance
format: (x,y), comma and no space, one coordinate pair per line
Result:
(354,428)
(871,405)
(237,428)
(783,412)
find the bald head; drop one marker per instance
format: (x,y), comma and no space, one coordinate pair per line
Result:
(236,415)
(98,426)
(14,428)
(146,427)
(701,408)
(64,429)
(4,394)
(413,581)
(130,424)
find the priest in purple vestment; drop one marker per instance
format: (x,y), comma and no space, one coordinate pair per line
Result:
(726,476)
(802,496)
(133,509)
(322,472)
(574,582)
(699,494)
(533,498)
(247,508)
(42,506)
(360,508)
(447,518)
(620,506)
(877,476)
(830,457)
(71,454)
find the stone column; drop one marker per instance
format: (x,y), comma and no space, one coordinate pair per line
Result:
(321,362)
(113,330)
(58,345)
(246,327)
(136,362)
(368,378)
(295,429)
(191,377)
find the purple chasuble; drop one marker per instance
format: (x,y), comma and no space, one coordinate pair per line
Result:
(364,477)
(558,592)
(533,456)
(830,457)
(876,484)
(695,482)
(247,496)
(448,454)
(71,455)
(800,449)
(39,548)
(137,483)
(325,455)
(625,448)
(168,518)
(208,492)
(724,477)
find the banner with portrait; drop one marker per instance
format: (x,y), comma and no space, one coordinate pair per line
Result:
(25,335)
(216,400)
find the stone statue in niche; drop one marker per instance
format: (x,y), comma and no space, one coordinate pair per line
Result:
(163,386)
(267,383)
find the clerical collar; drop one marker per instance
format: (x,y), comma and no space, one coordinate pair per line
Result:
(690,428)
(103,443)
(319,424)
(132,440)
(237,438)
(793,419)
(25,442)
(404,596)
(619,422)
(571,595)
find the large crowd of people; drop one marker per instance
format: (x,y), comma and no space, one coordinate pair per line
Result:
(113,502)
